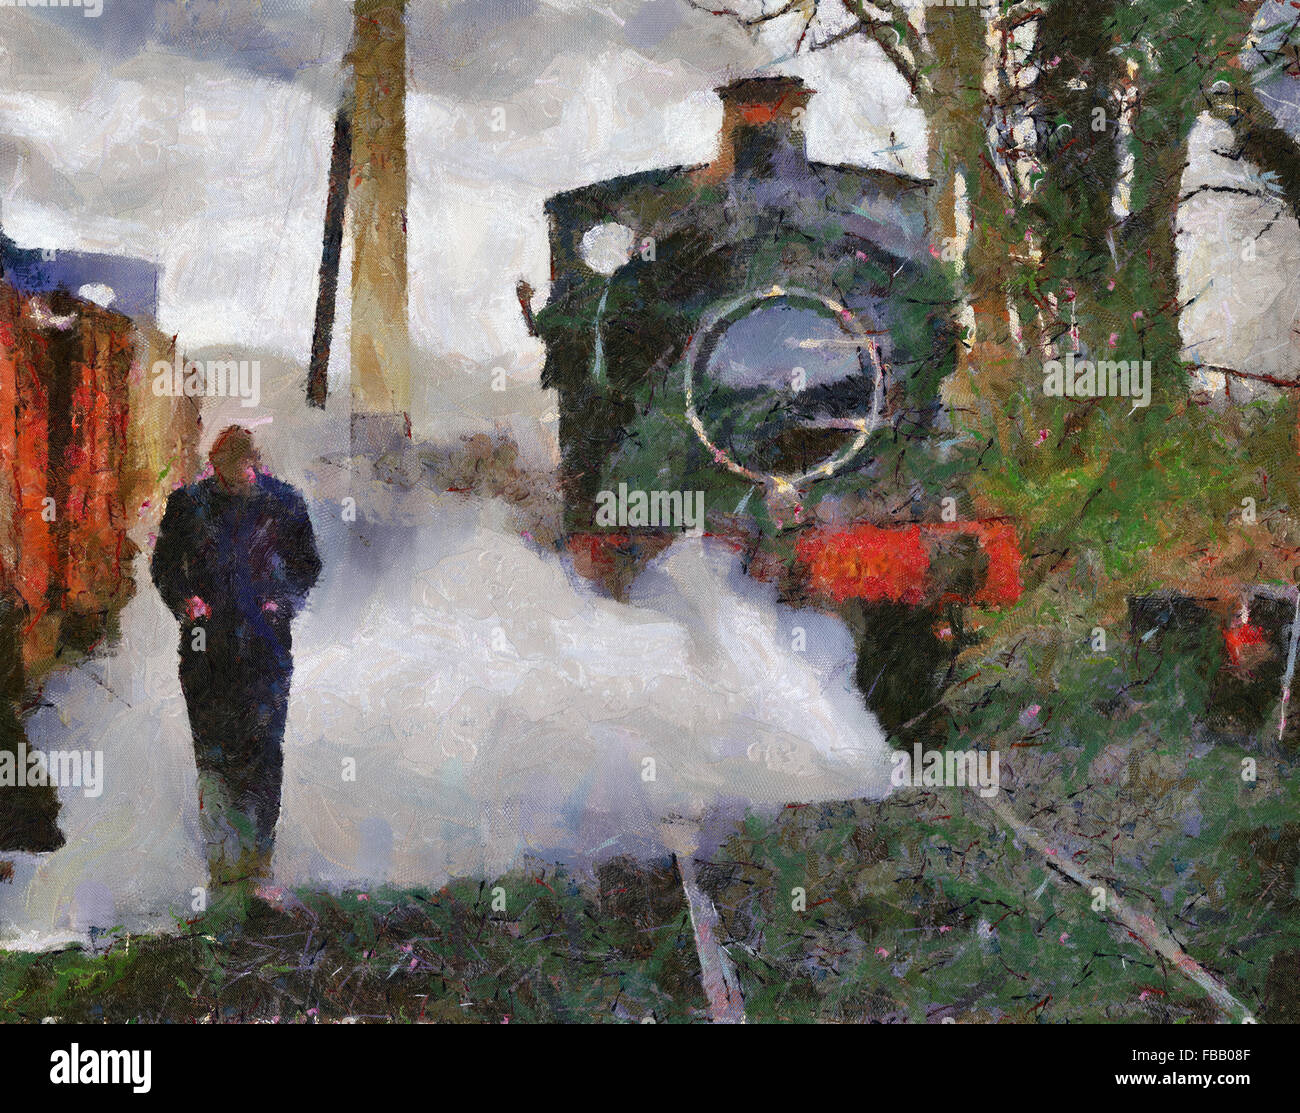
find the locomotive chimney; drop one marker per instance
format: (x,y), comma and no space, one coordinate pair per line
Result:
(762,128)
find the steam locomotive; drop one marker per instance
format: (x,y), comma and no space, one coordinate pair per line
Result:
(768,335)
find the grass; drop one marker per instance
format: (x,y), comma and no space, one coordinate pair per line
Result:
(555,951)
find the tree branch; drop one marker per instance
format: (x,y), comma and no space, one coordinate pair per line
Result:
(903,51)
(752,21)
(1259,139)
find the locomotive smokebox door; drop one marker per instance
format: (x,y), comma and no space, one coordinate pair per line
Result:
(762,329)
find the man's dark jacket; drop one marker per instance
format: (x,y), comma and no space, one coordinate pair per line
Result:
(251,558)
(236,552)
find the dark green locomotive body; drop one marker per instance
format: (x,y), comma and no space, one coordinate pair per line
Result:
(762,332)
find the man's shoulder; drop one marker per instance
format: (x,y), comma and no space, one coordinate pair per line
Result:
(196,499)
(187,497)
(281,491)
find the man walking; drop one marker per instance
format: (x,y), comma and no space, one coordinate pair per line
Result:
(234,561)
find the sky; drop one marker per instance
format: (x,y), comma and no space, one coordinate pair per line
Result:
(197,136)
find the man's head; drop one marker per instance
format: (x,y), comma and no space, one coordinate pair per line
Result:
(235,460)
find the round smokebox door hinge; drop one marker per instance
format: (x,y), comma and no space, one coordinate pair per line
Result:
(857,427)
